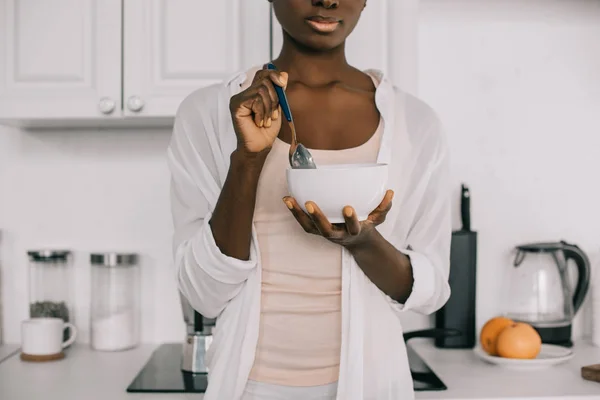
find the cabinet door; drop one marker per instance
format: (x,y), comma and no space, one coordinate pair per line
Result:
(174,47)
(59,59)
(385,39)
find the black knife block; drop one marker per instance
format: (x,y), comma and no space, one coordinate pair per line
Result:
(459,311)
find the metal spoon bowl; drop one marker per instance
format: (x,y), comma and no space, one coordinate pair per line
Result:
(299,157)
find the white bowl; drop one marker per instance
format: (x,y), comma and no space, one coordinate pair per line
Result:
(332,187)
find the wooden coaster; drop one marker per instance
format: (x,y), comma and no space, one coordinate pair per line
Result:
(49,357)
(591,372)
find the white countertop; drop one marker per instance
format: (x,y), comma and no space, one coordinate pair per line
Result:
(90,375)
(468,377)
(7,350)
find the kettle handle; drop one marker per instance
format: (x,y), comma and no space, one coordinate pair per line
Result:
(574,253)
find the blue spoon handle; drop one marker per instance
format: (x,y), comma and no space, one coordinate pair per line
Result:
(285,107)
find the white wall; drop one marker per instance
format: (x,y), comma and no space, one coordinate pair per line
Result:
(516,83)
(88,191)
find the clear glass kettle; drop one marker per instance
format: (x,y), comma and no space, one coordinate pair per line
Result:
(540,291)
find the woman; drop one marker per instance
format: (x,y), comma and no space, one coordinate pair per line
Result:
(306,309)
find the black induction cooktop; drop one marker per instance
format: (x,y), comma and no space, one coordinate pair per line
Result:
(162,373)
(423,377)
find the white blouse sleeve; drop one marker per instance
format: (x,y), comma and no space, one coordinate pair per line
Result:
(206,277)
(427,242)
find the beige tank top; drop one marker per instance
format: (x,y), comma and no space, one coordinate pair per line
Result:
(299,339)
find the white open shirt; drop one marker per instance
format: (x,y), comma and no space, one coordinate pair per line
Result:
(373,363)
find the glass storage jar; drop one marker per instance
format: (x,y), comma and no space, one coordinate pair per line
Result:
(50,285)
(115,303)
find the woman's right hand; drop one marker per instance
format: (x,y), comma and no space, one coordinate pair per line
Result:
(256,113)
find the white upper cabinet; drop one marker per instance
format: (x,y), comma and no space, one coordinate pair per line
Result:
(123,62)
(60,59)
(385,39)
(173,47)
(107,62)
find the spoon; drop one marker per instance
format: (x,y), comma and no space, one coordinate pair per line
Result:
(300,157)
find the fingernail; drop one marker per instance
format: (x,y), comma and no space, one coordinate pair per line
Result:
(310,208)
(268,123)
(348,212)
(261,123)
(275,114)
(289,204)
(391,195)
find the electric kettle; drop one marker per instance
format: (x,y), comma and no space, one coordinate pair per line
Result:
(539,289)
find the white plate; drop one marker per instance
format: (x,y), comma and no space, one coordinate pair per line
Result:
(549,355)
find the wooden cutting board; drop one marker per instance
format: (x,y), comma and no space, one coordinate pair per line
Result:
(591,372)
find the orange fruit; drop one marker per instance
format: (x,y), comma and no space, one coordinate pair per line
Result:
(519,340)
(490,331)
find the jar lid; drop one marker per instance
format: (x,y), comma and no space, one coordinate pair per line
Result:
(47,255)
(113,259)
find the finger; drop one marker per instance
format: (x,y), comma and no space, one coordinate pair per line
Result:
(263,92)
(272,110)
(277,77)
(244,109)
(260,75)
(383,208)
(272,78)
(352,222)
(319,219)
(244,104)
(259,111)
(282,79)
(272,96)
(303,219)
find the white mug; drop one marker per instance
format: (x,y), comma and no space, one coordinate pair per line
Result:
(44,336)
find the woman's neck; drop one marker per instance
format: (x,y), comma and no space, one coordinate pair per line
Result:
(312,68)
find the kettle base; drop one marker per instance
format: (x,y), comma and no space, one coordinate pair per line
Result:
(558,335)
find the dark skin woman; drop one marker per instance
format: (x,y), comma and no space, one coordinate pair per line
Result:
(334,108)
(307,309)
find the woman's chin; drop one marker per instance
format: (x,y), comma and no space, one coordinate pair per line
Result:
(322,43)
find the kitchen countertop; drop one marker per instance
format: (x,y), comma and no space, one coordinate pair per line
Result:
(90,375)
(468,377)
(7,350)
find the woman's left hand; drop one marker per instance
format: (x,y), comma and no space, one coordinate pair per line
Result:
(352,233)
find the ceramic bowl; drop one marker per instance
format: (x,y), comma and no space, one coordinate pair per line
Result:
(549,355)
(332,187)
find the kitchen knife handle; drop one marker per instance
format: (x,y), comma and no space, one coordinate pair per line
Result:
(465,208)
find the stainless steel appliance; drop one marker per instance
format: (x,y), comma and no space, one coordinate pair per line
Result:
(539,289)
(197,340)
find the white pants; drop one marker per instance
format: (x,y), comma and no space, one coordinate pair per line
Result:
(264,391)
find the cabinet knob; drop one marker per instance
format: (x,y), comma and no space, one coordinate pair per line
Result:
(135,103)
(106,105)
